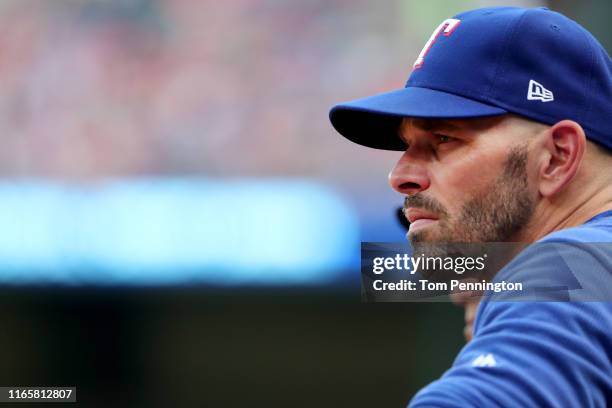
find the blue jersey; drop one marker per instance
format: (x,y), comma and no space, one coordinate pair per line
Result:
(541,353)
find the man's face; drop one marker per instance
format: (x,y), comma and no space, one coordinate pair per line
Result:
(464,180)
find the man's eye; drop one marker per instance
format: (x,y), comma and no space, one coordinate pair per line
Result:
(443,138)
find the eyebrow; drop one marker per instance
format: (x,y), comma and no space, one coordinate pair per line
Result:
(428,125)
(434,124)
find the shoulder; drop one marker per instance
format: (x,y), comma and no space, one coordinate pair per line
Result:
(572,264)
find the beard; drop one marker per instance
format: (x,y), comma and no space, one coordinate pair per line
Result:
(497,215)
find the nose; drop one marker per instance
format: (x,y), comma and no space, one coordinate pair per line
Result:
(408,176)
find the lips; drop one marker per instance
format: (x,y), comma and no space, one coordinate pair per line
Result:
(415,214)
(419,218)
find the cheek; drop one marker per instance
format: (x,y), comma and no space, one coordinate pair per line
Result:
(454,185)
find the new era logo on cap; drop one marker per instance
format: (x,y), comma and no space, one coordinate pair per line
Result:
(537,92)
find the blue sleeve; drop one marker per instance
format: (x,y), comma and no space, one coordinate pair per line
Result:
(531,354)
(538,353)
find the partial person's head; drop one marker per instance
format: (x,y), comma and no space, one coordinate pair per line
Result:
(504,121)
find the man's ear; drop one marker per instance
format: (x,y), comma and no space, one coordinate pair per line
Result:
(564,145)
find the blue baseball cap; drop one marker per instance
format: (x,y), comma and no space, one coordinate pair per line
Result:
(536,63)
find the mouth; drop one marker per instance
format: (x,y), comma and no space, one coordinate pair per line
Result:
(419,218)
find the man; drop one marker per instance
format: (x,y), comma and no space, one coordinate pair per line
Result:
(505,125)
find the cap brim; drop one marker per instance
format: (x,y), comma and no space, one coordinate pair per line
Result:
(374,121)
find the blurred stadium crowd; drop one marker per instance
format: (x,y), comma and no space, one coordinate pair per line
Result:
(94,88)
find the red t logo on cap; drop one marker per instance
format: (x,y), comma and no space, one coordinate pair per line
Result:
(447,27)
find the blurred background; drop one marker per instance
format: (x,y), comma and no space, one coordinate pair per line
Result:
(180,224)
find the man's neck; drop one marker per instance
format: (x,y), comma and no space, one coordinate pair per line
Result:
(553,218)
